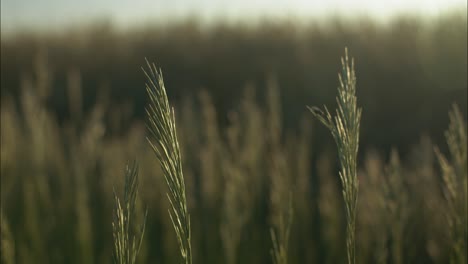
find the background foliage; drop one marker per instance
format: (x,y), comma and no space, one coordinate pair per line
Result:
(72,110)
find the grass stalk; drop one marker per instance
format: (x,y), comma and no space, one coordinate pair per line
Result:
(126,244)
(454,175)
(280,235)
(162,127)
(280,182)
(397,201)
(344,127)
(7,243)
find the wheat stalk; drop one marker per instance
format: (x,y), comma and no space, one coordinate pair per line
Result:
(162,127)
(344,127)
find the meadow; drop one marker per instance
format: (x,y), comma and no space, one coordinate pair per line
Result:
(89,157)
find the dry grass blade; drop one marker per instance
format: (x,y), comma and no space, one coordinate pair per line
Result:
(344,127)
(162,126)
(126,244)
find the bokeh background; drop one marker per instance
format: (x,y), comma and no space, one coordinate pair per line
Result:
(240,75)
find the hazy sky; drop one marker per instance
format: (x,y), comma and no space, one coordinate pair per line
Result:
(56,13)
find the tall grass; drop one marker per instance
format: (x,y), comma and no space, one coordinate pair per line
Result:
(162,126)
(396,201)
(344,127)
(454,175)
(281,200)
(242,176)
(7,244)
(127,244)
(280,235)
(57,178)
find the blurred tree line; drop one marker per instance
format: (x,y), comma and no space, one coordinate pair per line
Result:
(409,71)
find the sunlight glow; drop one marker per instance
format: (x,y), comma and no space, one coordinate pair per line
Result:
(56,13)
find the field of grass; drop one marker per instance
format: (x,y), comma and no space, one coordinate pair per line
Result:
(229,175)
